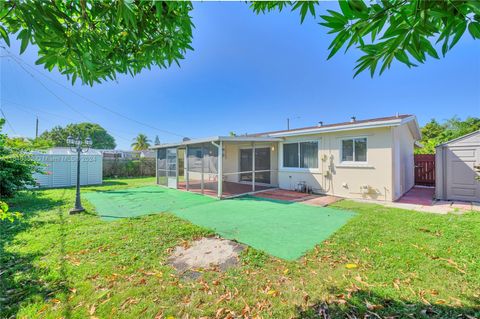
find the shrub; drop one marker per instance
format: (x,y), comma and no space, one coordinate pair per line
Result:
(6,214)
(16,164)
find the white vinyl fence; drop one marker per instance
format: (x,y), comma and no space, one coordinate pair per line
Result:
(60,168)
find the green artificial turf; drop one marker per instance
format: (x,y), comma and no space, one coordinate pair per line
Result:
(283,229)
(134,202)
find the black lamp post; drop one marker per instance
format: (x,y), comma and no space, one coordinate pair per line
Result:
(77,145)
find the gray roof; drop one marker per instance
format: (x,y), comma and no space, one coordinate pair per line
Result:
(218,139)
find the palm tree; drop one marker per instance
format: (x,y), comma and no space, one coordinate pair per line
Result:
(141,142)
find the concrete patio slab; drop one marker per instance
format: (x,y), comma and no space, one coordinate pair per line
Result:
(297,197)
(418,196)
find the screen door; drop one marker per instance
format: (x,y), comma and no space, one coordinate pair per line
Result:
(172,165)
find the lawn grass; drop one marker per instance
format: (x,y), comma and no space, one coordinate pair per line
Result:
(384,261)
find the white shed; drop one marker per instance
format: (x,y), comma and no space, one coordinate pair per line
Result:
(61,167)
(455,161)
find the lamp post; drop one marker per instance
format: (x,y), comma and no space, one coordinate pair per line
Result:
(77,145)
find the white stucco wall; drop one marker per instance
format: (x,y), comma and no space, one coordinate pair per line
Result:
(372,180)
(403,160)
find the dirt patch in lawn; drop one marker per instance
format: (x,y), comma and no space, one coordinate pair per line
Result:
(204,254)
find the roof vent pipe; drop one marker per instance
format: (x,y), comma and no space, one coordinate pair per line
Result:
(353,119)
(320,123)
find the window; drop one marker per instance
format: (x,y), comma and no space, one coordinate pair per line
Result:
(300,155)
(290,155)
(354,150)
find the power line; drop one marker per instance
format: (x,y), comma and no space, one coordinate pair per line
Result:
(94,102)
(8,122)
(59,98)
(37,110)
(50,91)
(25,109)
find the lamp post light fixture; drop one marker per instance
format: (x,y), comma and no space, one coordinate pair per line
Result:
(79,146)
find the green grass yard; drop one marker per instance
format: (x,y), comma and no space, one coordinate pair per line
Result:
(389,262)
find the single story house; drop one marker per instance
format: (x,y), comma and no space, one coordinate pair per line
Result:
(130,155)
(370,159)
(457,166)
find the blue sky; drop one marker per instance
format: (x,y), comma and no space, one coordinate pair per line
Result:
(248,73)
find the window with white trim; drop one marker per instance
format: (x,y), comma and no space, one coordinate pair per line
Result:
(300,155)
(354,150)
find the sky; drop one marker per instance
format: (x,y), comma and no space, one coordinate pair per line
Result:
(248,73)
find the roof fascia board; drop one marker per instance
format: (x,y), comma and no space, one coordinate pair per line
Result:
(347,127)
(217,139)
(458,138)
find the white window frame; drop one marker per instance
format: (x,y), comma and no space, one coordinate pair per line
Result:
(299,169)
(353,161)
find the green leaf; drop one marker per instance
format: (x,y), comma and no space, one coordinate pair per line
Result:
(4,35)
(474,29)
(403,57)
(428,47)
(362,66)
(459,30)
(24,35)
(338,42)
(359,8)
(345,7)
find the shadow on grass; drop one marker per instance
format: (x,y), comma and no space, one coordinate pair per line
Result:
(367,304)
(20,279)
(113,183)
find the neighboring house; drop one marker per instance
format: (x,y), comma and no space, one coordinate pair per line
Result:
(370,159)
(455,161)
(114,154)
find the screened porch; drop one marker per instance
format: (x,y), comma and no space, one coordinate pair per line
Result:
(222,166)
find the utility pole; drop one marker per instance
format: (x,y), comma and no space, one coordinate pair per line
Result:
(36,128)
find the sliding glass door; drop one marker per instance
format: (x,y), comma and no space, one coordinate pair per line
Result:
(262,165)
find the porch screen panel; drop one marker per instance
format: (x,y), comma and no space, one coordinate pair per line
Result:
(210,167)
(202,167)
(194,159)
(162,167)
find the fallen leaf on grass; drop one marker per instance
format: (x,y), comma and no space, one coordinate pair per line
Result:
(396,283)
(92,309)
(351,266)
(272,292)
(55,301)
(422,297)
(371,306)
(360,280)
(42,309)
